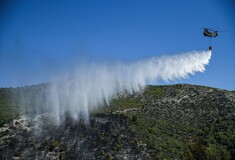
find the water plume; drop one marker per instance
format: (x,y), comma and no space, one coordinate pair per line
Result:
(95,84)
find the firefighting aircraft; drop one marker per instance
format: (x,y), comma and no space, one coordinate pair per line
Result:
(210,33)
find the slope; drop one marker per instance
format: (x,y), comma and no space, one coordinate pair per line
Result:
(159,122)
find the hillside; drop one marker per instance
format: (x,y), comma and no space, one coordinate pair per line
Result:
(160,122)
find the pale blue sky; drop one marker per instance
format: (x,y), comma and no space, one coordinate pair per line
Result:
(39,38)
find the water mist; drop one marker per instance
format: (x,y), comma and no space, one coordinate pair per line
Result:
(93,85)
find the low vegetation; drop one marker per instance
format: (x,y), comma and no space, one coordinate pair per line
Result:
(173,122)
(8,109)
(180,121)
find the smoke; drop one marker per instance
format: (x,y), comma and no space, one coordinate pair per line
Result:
(95,84)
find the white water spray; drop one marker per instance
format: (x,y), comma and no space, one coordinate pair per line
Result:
(96,84)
